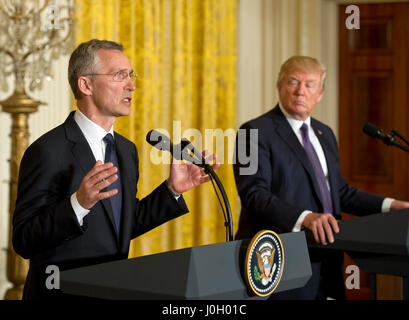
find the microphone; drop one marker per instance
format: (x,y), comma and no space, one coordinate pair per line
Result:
(162,142)
(377,133)
(182,151)
(159,141)
(187,147)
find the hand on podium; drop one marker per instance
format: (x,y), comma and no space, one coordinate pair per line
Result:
(399,205)
(322,225)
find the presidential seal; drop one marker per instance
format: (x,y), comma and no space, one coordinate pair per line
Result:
(264,263)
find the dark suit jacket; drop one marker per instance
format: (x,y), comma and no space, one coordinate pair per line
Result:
(284,184)
(45,228)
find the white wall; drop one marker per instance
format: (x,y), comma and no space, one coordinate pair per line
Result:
(270,31)
(56,94)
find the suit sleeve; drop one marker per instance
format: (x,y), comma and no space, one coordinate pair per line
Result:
(43,217)
(156,208)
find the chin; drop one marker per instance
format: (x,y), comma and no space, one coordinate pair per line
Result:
(124,111)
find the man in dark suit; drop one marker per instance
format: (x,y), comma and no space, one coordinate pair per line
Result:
(298,183)
(76,202)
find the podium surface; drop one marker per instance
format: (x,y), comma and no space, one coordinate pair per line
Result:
(378,243)
(204,272)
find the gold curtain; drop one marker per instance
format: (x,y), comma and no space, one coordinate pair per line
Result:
(184,52)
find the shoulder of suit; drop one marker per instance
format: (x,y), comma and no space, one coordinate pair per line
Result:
(262,121)
(50,137)
(122,139)
(320,125)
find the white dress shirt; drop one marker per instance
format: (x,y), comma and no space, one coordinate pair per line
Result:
(296,125)
(94,134)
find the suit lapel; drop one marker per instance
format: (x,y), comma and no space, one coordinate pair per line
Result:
(287,134)
(80,147)
(84,157)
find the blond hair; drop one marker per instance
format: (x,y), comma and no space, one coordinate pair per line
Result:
(304,63)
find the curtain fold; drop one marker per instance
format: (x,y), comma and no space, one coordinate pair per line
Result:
(184,52)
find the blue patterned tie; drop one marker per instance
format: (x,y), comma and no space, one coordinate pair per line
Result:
(116,200)
(319,173)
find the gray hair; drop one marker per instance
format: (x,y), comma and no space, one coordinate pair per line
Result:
(84,60)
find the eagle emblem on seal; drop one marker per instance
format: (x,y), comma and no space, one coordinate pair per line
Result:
(265,263)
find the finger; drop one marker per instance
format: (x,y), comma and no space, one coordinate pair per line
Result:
(334,224)
(205,153)
(99,166)
(315,233)
(102,175)
(203,173)
(204,179)
(216,165)
(321,234)
(107,194)
(106,182)
(210,158)
(328,231)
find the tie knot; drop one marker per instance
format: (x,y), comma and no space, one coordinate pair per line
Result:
(304,129)
(109,139)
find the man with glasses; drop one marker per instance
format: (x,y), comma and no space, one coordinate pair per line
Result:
(76,202)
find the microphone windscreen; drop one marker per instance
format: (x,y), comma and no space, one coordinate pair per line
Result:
(158,140)
(372,130)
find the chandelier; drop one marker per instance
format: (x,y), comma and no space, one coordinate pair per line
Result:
(32,35)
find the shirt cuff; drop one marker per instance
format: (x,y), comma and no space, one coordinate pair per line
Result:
(79,211)
(176,195)
(386,204)
(300,220)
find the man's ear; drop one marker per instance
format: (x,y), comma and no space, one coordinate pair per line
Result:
(85,85)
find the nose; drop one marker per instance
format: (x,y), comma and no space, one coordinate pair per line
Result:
(129,84)
(300,90)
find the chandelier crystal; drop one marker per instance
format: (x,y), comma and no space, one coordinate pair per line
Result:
(33,33)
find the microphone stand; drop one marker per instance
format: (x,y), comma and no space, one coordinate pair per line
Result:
(392,141)
(229,223)
(201,162)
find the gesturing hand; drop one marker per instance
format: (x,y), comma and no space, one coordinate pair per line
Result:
(185,176)
(98,178)
(322,226)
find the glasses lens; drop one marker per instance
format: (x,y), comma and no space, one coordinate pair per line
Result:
(133,76)
(120,75)
(123,75)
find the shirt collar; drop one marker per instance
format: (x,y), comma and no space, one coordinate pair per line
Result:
(294,123)
(90,129)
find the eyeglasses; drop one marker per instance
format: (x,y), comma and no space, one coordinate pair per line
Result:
(121,75)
